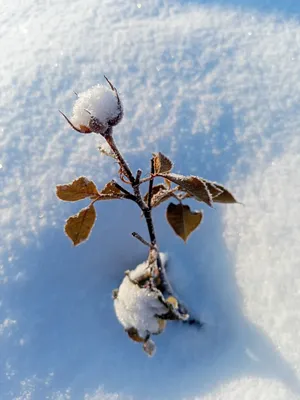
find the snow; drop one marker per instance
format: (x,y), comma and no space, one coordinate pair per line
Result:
(214,86)
(138,307)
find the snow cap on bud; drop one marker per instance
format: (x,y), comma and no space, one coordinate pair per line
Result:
(97,110)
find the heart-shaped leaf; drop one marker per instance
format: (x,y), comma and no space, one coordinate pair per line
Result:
(183,220)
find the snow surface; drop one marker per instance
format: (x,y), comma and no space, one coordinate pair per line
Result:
(215,86)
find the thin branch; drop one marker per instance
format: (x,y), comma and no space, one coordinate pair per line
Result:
(146,179)
(122,162)
(150,226)
(138,176)
(139,237)
(128,194)
(151,184)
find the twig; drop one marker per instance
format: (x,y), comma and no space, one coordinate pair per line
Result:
(139,237)
(128,194)
(138,176)
(147,179)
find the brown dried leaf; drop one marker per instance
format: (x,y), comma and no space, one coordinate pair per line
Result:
(172,300)
(184,195)
(79,226)
(109,192)
(162,164)
(79,189)
(218,193)
(194,185)
(161,196)
(213,189)
(224,195)
(134,335)
(167,183)
(155,190)
(110,188)
(183,220)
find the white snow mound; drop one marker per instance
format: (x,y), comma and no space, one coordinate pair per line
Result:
(137,307)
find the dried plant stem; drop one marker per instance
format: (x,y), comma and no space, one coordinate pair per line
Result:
(135,183)
(145,208)
(122,162)
(147,212)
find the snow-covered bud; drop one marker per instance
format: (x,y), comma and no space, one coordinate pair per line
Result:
(97,110)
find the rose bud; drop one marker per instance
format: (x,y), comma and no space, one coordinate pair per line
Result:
(97,110)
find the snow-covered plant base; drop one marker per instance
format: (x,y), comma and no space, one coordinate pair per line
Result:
(140,305)
(145,300)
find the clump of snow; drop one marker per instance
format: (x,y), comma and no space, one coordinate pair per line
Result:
(138,307)
(100,102)
(141,269)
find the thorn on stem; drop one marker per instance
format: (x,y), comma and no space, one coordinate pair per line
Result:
(73,126)
(110,84)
